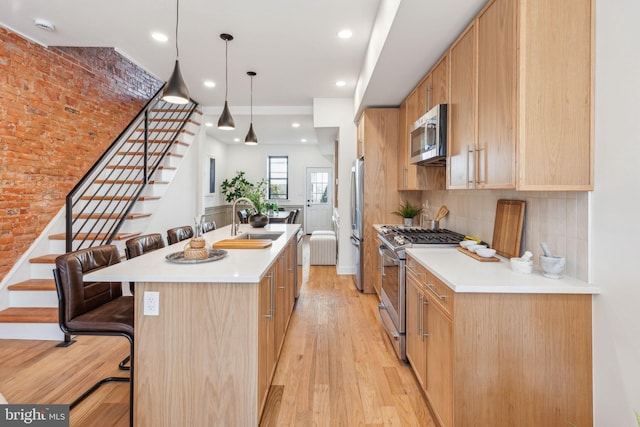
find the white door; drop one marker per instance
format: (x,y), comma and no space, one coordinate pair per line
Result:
(317,214)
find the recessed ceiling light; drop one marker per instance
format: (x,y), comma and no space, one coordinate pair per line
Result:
(236,139)
(209,83)
(295,124)
(345,34)
(341,83)
(208,124)
(303,140)
(159,37)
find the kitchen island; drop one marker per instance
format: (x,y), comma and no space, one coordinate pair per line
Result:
(208,356)
(493,347)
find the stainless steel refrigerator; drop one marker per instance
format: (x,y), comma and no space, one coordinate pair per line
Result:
(357,220)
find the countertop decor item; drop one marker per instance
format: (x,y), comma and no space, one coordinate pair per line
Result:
(552,266)
(212,255)
(507,229)
(408,212)
(520,266)
(478,257)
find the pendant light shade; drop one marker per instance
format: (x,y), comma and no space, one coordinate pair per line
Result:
(251,138)
(176,91)
(226,121)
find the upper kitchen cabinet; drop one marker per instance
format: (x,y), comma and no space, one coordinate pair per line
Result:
(439,89)
(411,176)
(462,111)
(521,100)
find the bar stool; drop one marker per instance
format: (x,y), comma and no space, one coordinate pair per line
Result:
(93,308)
(178,234)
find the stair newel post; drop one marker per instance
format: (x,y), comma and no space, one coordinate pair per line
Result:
(145,160)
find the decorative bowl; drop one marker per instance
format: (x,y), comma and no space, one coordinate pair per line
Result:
(474,248)
(486,252)
(466,243)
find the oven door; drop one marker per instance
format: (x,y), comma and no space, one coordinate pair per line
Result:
(392,286)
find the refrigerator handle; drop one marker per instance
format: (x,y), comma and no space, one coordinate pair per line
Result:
(354,241)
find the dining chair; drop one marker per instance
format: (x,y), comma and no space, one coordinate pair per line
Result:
(243,215)
(178,234)
(295,217)
(94,308)
(292,217)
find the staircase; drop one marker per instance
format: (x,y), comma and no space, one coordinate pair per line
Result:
(108,206)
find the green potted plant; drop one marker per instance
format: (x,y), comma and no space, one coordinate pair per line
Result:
(239,186)
(408,212)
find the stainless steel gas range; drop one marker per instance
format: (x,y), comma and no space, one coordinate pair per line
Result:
(394,239)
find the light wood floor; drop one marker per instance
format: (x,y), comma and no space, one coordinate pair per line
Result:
(337,367)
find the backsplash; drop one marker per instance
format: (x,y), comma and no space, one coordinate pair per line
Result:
(558,218)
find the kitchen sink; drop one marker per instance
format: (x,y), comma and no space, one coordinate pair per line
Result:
(254,236)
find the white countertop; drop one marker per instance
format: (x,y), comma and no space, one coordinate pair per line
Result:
(464,274)
(238,266)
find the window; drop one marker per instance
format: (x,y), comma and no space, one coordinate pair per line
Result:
(278,177)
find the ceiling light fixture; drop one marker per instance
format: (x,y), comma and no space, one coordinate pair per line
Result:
(159,37)
(251,138)
(341,83)
(175,91)
(295,125)
(44,24)
(208,124)
(345,34)
(303,140)
(225,121)
(209,83)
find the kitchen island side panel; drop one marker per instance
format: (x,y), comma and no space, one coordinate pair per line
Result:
(196,363)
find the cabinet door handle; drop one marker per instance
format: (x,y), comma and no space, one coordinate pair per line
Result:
(470,176)
(477,166)
(434,291)
(407,267)
(270,315)
(419,316)
(404,177)
(424,303)
(273,294)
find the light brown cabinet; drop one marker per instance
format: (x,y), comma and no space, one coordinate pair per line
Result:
(495,359)
(521,91)
(379,132)
(411,176)
(462,110)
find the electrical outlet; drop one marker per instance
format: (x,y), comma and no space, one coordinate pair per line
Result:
(151,303)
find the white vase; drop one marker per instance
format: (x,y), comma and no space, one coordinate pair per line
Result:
(408,222)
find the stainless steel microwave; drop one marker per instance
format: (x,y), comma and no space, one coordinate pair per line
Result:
(429,137)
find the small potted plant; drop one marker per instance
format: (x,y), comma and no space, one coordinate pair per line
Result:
(239,186)
(408,212)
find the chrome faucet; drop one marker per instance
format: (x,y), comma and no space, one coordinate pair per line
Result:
(234,226)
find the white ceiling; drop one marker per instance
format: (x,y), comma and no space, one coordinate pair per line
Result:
(292,45)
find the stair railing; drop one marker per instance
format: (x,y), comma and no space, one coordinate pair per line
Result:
(97,207)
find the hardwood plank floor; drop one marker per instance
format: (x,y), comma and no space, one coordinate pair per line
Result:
(337,367)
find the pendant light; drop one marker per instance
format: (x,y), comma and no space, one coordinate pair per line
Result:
(251,138)
(175,91)
(225,121)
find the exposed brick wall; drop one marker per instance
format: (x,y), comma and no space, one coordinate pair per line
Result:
(60,108)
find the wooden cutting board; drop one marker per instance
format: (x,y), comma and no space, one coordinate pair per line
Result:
(507,229)
(242,244)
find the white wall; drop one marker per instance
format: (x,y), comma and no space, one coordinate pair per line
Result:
(615,215)
(253,161)
(212,148)
(338,112)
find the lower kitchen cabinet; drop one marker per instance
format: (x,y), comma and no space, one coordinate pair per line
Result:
(496,359)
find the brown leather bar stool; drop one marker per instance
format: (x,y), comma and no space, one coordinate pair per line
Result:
(178,234)
(208,226)
(139,245)
(93,308)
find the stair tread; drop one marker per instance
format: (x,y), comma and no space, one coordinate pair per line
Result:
(112,216)
(45,259)
(128,181)
(140,167)
(141,153)
(98,198)
(169,110)
(34,285)
(156,141)
(119,236)
(29,315)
